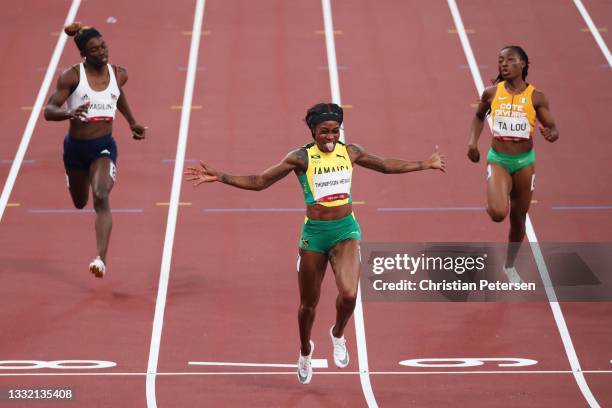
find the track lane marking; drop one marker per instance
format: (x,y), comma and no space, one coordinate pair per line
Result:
(594,31)
(335,32)
(316,363)
(292,373)
(533,240)
(467,362)
(467,30)
(400,209)
(188,33)
(180,107)
(263,209)
(582,207)
(160,303)
(35,113)
(82,211)
(24,161)
(600,29)
(234,210)
(362,350)
(181,204)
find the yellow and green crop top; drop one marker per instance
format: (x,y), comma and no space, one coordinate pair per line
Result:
(513,115)
(327,180)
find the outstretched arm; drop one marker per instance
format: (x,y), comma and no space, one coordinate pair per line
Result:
(296,160)
(361,157)
(138,131)
(478,123)
(548,128)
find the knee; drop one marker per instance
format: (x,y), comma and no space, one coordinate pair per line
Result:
(80,204)
(307,308)
(348,298)
(497,214)
(100,197)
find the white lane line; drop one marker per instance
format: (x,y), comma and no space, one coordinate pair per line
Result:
(332,64)
(30,161)
(594,31)
(160,304)
(292,373)
(362,351)
(232,210)
(40,100)
(82,211)
(316,363)
(429,209)
(559,319)
(468,362)
(550,292)
(488,372)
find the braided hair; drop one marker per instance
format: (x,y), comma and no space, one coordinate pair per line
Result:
(322,112)
(82,34)
(522,55)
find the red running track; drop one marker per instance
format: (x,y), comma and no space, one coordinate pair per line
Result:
(52,308)
(232,293)
(568,67)
(421,91)
(22,72)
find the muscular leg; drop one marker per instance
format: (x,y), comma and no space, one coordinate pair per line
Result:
(101,186)
(310,276)
(520,200)
(344,259)
(78,185)
(499,185)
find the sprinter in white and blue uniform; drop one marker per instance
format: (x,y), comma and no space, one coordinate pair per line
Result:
(92,91)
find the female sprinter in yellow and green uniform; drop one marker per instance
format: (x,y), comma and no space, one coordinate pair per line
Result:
(330,232)
(514,105)
(327,182)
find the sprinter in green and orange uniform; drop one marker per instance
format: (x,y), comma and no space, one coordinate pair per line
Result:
(330,232)
(514,105)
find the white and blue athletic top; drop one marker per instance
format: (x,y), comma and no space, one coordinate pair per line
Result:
(103,104)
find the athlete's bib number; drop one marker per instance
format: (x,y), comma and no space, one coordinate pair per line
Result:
(504,126)
(332,186)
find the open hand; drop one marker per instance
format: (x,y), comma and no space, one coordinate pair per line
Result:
(138,131)
(437,161)
(473,153)
(202,174)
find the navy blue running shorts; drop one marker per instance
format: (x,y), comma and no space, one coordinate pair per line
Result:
(79,154)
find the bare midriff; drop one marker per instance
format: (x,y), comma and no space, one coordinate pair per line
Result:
(512,146)
(89,130)
(323,213)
